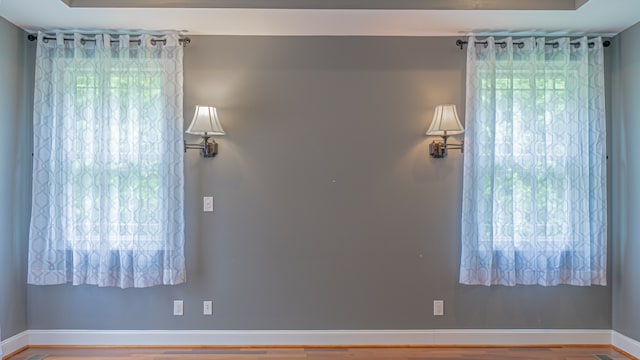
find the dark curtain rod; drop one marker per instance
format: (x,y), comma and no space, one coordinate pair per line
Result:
(184,41)
(461,44)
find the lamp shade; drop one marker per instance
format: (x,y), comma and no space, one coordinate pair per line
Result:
(445,121)
(205,120)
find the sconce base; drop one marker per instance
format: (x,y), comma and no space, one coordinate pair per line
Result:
(210,148)
(438,149)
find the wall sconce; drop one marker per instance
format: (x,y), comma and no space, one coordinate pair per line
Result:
(206,124)
(445,123)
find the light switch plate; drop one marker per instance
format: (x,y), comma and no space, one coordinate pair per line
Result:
(207,307)
(207,203)
(438,307)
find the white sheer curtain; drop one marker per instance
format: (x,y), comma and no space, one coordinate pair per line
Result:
(107,205)
(534,193)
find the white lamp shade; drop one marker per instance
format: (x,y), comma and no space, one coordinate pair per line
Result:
(445,121)
(205,120)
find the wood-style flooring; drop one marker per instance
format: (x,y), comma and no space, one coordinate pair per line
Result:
(295,353)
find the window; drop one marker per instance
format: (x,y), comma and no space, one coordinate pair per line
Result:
(131,178)
(108,174)
(535,181)
(534,207)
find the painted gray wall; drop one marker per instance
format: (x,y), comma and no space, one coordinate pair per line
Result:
(15,170)
(626,193)
(329,212)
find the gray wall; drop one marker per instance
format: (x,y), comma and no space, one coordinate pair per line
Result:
(15,170)
(330,214)
(626,193)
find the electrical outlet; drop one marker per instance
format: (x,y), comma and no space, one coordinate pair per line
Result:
(207,307)
(207,203)
(178,307)
(438,307)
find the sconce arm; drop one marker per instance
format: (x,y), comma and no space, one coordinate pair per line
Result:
(458,146)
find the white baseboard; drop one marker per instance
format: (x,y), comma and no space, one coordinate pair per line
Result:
(316,337)
(625,343)
(14,343)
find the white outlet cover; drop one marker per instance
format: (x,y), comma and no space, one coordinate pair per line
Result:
(178,307)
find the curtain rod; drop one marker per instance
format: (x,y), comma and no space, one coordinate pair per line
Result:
(462,43)
(184,41)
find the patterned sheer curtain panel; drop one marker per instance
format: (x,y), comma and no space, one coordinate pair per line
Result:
(534,190)
(107,205)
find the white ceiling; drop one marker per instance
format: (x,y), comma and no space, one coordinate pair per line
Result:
(601,17)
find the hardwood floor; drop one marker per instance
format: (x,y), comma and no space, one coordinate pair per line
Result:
(294,353)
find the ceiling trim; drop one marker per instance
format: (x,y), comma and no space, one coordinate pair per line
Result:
(553,5)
